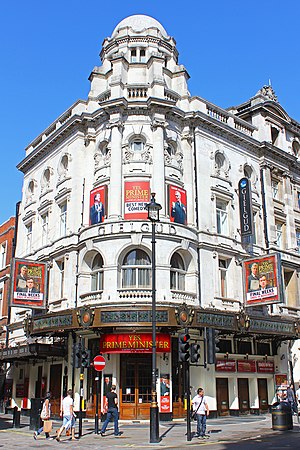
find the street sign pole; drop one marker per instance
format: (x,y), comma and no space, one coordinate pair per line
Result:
(97,404)
(99,365)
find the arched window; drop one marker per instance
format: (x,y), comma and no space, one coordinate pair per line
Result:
(171,149)
(64,162)
(296,148)
(219,160)
(97,273)
(31,187)
(177,274)
(136,270)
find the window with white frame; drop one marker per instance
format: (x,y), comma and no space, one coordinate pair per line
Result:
(298,239)
(97,273)
(275,189)
(223,267)
(177,273)
(136,270)
(133,55)
(222,216)
(61,272)
(279,230)
(137,145)
(45,227)
(3,248)
(63,219)
(1,301)
(29,237)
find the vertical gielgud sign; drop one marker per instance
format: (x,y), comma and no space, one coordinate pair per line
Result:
(246,214)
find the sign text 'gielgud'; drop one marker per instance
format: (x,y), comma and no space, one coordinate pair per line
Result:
(245,200)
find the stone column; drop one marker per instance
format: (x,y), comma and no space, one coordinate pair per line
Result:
(158,170)
(188,175)
(290,235)
(270,219)
(116,178)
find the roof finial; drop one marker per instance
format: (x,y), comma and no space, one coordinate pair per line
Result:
(270,84)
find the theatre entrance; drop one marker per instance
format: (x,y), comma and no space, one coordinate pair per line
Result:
(135,386)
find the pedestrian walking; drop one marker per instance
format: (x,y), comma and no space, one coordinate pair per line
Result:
(201,411)
(112,411)
(45,417)
(67,412)
(291,398)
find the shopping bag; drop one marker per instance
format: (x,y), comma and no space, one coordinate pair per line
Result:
(47,427)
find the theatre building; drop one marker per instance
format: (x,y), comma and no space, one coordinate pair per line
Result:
(84,232)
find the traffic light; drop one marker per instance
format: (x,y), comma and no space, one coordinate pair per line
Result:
(183,347)
(195,352)
(77,355)
(213,340)
(85,358)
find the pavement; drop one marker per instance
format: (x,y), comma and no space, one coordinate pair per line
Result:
(223,432)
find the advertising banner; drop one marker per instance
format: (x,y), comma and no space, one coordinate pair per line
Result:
(262,280)
(245,201)
(165,404)
(225,365)
(246,366)
(177,206)
(265,366)
(136,197)
(98,202)
(29,283)
(134,343)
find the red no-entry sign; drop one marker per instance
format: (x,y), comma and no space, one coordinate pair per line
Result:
(99,363)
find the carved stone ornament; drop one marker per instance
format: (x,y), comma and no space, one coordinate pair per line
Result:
(85,317)
(184,315)
(268,91)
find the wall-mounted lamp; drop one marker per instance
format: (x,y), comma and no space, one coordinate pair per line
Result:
(266,358)
(246,356)
(226,355)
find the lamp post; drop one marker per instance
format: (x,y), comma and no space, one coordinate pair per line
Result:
(153,209)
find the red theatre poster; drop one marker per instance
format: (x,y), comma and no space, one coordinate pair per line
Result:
(165,406)
(262,280)
(29,284)
(177,198)
(98,205)
(136,197)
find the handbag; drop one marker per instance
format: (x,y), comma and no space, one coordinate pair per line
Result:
(47,426)
(44,413)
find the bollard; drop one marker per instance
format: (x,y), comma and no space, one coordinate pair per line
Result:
(16,417)
(282,418)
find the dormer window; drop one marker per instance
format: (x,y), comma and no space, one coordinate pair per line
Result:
(142,56)
(133,57)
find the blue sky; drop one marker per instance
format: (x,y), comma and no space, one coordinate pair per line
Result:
(49,48)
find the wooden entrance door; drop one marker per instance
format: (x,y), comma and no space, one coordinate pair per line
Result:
(135,387)
(55,388)
(222,396)
(263,394)
(243,391)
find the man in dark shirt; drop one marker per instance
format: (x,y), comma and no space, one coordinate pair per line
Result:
(112,411)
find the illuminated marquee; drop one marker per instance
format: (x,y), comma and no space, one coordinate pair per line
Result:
(136,343)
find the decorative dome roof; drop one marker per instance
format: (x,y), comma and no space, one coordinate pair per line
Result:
(139,22)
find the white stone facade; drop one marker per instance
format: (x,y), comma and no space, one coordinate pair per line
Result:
(141,124)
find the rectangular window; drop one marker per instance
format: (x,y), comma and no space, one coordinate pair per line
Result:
(142,56)
(298,200)
(222,217)
(28,238)
(223,266)
(2,255)
(278,227)
(298,240)
(275,189)
(63,219)
(45,223)
(133,56)
(1,301)
(61,268)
